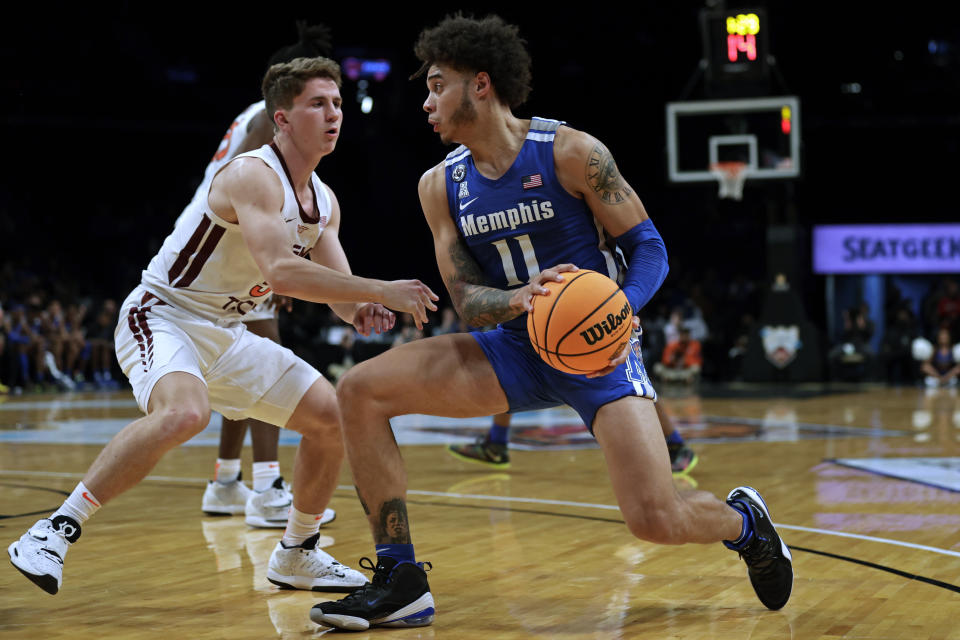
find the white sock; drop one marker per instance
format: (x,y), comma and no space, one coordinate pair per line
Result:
(264,474)
(300,526)
(80,505)
(227,469)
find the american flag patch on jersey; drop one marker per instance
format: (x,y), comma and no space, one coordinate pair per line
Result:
(531,182)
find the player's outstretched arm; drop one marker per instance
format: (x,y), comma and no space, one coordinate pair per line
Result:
(476,303)
(247,192)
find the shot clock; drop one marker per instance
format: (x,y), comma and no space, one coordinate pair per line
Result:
(735,48)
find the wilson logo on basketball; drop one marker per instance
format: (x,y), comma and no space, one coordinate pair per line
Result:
(606,327)
(258,291)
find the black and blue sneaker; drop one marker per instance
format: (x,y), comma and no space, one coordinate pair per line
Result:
(769,563)
(397,596)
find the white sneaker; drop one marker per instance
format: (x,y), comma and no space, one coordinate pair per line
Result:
(271,508)
(225,498)
(39,553)
(328,515)
(307,567)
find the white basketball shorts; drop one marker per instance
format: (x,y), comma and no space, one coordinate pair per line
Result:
(246,376)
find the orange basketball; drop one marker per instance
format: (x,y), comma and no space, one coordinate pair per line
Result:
(584,322)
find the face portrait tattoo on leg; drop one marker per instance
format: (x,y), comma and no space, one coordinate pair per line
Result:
(394,526)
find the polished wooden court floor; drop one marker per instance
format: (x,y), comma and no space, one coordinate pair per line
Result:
(534,552)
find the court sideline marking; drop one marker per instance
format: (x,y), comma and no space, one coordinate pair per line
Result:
(543,501)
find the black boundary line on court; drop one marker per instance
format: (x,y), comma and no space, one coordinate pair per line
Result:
(865,563)
(846,465)
(37,488)
(874,565)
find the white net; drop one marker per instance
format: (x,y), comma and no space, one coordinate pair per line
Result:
(731,176)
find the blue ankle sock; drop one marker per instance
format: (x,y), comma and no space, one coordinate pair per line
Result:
(745,533)
(399,552)
(498,434)
(674,438)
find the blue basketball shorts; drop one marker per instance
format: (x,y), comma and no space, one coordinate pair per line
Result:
(530,383)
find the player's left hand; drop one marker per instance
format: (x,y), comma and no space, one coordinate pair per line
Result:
(372,317)
(620,358)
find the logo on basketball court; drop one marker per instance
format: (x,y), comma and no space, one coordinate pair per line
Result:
(780,344)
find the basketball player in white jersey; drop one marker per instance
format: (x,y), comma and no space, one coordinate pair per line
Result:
(268,504)
(182,344)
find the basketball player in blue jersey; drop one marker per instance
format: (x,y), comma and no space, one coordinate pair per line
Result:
(515,197)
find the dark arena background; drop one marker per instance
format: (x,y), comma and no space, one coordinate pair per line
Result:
(111,113)
(816,297)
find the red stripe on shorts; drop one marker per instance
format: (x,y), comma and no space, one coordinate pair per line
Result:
(137,321)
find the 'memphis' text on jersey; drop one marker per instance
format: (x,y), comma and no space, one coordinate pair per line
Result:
(513,217)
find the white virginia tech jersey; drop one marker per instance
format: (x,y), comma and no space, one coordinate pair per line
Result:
(205,267)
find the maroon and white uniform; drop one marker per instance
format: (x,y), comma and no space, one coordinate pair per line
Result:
(233,140)
(186,314)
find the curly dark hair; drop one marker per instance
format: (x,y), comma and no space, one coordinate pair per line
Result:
(489,44)
(312,40)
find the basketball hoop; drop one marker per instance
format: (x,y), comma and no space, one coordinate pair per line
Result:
(731,176)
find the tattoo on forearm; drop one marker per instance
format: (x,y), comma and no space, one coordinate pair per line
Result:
(478,304)
(604,177)
(394,527)
(363,504)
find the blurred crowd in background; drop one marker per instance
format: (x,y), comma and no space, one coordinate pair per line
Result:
(54,336)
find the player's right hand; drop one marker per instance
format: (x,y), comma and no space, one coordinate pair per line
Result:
(410,296)
(522,299)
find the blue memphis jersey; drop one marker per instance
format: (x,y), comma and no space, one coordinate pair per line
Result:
(525,221)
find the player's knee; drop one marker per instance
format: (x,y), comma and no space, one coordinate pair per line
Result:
(655,523)
(354,389)
(181,422)
(317,416)
(322,424)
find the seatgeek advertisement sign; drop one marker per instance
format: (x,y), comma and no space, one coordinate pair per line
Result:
(886,248)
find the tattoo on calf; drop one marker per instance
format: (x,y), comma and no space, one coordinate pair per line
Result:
(478,304)
(604,177)
(394,527)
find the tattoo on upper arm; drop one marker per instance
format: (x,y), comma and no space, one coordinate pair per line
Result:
(604,177)
(476,302)
(394,526)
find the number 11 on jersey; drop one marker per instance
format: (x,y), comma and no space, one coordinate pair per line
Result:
(526,248)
